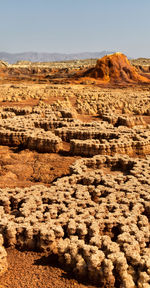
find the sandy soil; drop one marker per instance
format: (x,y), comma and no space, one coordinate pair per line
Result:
(32,269)
(25,168)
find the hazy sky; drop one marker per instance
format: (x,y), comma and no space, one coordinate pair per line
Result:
(70,26)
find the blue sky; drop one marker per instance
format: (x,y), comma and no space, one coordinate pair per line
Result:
(70,26)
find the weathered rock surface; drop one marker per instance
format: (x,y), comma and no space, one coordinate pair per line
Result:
(20,131)
(44,129)
(91,139)
(96,220)
(115,68)
(98,101)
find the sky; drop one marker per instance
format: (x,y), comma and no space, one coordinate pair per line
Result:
(74,26)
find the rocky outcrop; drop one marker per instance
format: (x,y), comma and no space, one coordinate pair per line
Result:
(103,138)
(115,68)
(44,129)
(143,68)
(98,100)
(124,145)
(38,140)
(95,220)
(21,131)
(122,120)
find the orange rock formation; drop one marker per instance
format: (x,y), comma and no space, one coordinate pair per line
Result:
(115,68)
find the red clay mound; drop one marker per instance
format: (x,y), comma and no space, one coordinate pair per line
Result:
(115,68)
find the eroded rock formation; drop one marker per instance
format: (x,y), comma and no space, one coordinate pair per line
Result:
(44,130)
(20,131)
(96,220)
(115,68)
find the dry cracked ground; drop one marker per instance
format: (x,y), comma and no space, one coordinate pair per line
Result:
(74,186)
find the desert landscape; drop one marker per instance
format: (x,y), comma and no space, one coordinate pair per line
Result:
(75,173)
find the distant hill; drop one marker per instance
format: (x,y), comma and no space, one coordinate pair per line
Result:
(49,57)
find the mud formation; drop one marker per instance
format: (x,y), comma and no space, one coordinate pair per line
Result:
(95,220)
(115,68)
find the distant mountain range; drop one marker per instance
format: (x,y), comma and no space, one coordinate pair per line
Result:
(12,58)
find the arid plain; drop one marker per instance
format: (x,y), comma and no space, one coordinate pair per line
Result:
(75,173)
